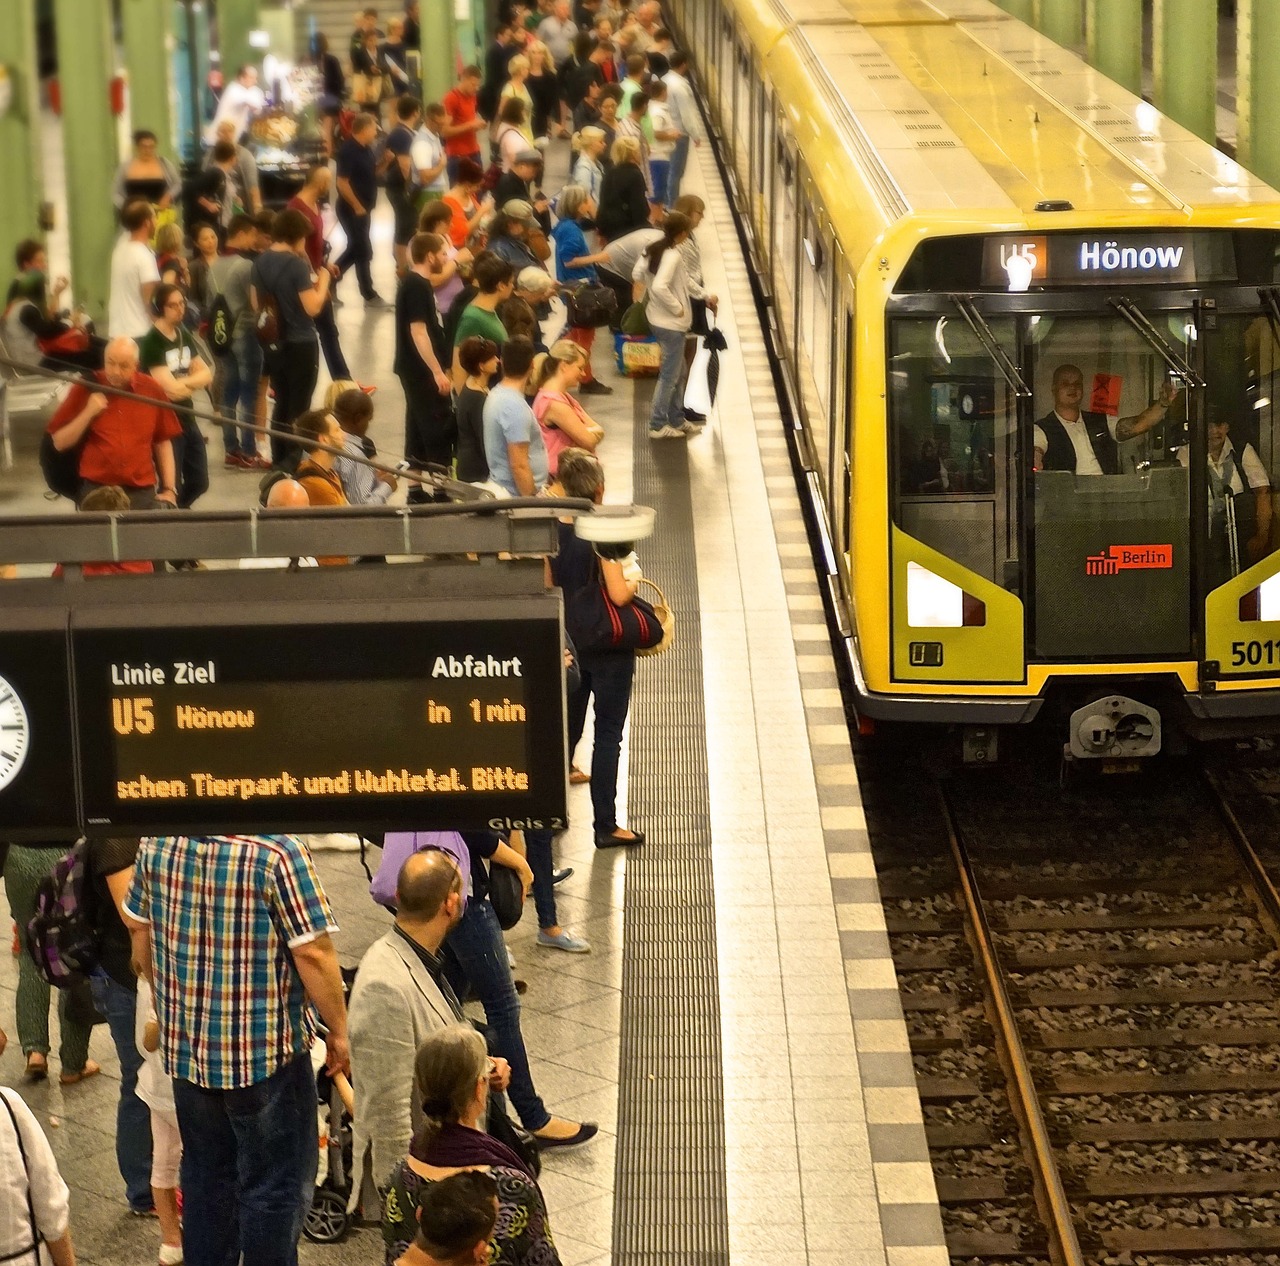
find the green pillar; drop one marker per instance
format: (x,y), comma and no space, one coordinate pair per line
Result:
(439,42)
(1113,35)
(148,57)
(85,62)
(236,18)
(1023,10)
(1185,57)
(19,133)
(1061,20)
(1258,87)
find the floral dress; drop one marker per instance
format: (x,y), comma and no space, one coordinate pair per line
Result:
(522,1236)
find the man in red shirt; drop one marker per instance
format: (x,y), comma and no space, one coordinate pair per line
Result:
(462,124)
(126,442)
(308,200)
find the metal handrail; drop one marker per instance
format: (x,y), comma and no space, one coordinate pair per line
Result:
(1044,1167)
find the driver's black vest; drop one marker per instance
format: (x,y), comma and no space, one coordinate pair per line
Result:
(1061,452)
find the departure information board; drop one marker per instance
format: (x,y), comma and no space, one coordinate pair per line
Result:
(399,723)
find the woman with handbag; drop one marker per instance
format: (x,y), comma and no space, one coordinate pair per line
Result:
(589,582)
(368,75)
(35,1203)
(669,309)
(575,265)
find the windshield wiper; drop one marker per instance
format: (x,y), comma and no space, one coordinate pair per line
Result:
(1158,343)
(984,334)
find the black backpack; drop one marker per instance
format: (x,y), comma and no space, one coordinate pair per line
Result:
(221,325)
(61,468)
(60,935)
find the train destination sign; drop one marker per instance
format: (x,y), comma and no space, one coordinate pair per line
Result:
(403,722)
(1071,259)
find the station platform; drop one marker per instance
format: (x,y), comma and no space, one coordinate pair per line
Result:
(736,1029)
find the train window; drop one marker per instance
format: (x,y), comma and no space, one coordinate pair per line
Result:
(1111,515)
(742,123)
(767,181)
(784,242)
(953,441)
(1242,448)
(814,328)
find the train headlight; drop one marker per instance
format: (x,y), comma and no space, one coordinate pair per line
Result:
(934,602)
(1262,603)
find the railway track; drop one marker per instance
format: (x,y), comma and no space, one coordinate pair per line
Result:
(1090,985)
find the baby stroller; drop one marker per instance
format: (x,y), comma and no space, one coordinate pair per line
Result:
(327,1220)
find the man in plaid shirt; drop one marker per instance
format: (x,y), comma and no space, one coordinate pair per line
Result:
(235,931)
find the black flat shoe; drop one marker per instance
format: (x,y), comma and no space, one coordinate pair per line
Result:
(587,1130)
(595,388)
(559,876)
(613,840)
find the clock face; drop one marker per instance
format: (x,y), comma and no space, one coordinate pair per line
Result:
(15,734)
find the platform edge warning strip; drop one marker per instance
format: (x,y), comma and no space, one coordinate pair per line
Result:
(670,1189)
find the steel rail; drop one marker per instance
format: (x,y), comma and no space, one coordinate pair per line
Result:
(1044,1167)
(1253,864)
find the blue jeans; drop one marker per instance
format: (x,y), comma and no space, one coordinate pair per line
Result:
(668,396)
(240,393)
(538,855)
(659,175)
(118,1006)
(608,676)
(249,1164)
(675,172)
(475,954)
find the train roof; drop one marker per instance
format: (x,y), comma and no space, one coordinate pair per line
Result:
(955,107)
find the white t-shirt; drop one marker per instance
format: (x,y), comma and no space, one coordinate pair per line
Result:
(49,1195)
(1078,433)
(132,267)
(239,104)
(1247,460)
(660,117)
(426,152)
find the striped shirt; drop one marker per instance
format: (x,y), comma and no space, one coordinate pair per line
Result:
(224,911)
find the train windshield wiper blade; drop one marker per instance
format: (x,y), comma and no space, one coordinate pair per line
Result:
(984,334)
(1178,365)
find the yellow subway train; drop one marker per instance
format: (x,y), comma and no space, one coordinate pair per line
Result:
(1029,328)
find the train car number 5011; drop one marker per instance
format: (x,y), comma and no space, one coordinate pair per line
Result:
(1255,654)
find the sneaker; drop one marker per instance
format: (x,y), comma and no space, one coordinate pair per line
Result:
(564,940)
(559,875)
(375,300)
(666,433)
(233,461)
(595,388)
(170,1255)
(694,428)
(368,388)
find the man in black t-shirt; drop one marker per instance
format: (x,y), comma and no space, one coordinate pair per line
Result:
(284,273)
(357,193)
(422,359)
(109,867)
(402,178)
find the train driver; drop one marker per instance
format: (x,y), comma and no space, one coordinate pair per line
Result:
(1067,438)
(1239,501)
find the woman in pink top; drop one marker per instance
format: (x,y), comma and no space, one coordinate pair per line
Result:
(564,422)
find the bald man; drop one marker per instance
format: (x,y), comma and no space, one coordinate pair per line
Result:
(120,440)
(281,494)
(400,997)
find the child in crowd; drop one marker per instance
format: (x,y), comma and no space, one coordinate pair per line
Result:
(156,1091)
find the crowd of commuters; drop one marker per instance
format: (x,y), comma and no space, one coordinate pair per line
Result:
(218,971)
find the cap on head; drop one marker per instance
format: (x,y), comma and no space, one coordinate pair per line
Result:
(518,209)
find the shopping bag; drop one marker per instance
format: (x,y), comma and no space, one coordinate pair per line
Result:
(697,391)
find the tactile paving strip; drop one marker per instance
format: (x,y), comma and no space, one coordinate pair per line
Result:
(670,1202)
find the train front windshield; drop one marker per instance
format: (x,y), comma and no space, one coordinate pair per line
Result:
(1108,455)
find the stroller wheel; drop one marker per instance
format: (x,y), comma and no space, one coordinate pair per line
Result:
(327,1220)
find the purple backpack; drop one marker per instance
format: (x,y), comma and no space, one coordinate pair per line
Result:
(399,846)
(60,934)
